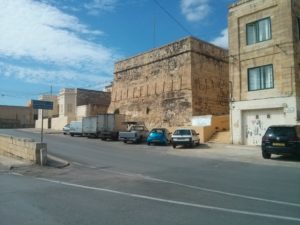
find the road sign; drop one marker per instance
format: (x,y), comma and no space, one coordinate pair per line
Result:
(37,104)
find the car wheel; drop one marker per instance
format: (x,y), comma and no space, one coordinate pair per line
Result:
(72,135)
(174,146)
(191,145)
(266,155)
(125,142)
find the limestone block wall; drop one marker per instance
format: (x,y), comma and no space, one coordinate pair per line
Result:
(90,110)
(23,148)
(157,87)
(16,117)
(210,79)
(278,51)
(86,97)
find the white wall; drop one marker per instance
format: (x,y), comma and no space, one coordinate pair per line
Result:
(288,106)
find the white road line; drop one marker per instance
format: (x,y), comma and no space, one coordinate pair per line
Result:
(16,174)
(207,189)
(257,214)
(77,163)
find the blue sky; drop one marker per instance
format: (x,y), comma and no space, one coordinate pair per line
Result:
(74,43)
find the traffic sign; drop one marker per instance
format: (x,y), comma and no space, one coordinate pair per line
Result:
(37,104)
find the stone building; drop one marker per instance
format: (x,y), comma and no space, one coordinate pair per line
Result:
(73,104)
(171,85)
(264,66)
(17,116)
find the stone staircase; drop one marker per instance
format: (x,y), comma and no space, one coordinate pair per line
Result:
(221,137)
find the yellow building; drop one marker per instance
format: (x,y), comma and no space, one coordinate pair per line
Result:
(264,67)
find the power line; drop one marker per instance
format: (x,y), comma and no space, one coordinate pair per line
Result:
(172,17)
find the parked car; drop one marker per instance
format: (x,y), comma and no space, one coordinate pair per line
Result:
(76,128)
(281,140)
(159,136)
(66,129)
(185,137)
(135,134)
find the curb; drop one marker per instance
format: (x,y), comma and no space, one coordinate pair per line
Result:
(56,162)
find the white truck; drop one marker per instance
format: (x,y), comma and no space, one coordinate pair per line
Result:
(135,134)
(104,126)
(75,128)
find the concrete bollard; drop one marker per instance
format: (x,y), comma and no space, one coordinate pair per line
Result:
(43,156)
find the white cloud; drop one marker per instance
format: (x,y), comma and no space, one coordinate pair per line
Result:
(195,10)
(62,78)
(39,32)
(95,6)
(222,40)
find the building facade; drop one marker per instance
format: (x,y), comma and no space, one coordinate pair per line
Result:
(73,104)
(168,86)
(264,67)
(17,116)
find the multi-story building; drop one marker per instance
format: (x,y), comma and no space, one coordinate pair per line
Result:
(73,104)
(264,66)
(172,85)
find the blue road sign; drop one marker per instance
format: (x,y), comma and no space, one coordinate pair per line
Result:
(37,104)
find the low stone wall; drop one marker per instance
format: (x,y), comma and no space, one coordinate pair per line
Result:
(23,148)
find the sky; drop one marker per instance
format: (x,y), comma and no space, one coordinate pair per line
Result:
(47,45)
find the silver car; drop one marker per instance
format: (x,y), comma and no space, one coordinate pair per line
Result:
(186,137)
(66,129)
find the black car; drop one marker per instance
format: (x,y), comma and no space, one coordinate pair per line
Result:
(281,140)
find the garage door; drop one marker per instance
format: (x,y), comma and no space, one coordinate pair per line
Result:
(256,122)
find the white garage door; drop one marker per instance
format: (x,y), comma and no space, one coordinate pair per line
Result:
(256,122)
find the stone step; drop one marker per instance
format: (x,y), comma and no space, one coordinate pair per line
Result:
(222,137)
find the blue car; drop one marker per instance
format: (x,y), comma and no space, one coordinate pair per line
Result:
(159,136)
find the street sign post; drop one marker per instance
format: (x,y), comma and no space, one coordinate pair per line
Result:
(38,104)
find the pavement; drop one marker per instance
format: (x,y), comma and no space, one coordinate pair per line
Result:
(45,131)
(227,152)
(8,163)
(237,153)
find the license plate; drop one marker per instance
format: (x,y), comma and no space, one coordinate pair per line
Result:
(279,144)
(181,139)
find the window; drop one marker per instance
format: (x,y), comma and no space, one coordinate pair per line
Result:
(259,31)
(260,78)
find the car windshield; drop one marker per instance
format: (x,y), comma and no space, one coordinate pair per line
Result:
(160,131)
(280,131)
(182,132)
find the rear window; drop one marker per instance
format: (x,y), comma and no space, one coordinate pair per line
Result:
(281,131)
(182,132)
(161,131)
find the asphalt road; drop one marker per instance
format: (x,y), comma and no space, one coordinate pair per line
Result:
(115,183)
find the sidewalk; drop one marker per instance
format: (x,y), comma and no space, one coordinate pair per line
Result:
(235,153)
(45,131)
(7,163)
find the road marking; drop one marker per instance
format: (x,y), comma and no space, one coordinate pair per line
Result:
(206,189)
(16,174)
(77,163)
(265,215)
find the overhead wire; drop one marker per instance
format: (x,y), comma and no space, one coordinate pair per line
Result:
(172,17)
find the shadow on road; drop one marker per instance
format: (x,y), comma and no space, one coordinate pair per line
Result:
(287,158)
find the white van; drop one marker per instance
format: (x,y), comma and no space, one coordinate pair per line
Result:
(76,128)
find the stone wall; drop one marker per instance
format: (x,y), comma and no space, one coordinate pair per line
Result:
(210,79)
(279,51)
(16,117)
(23,148)
(156,87)
(86,97)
